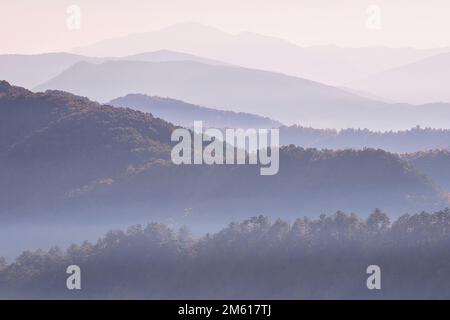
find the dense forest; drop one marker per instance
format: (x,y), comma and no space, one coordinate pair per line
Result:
(257,258)
(413,140)
(434,163)
(63,154)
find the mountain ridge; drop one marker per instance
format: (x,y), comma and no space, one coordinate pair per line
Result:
(184,114)
(339,65)
(30,70)
(288,99)
(70,156)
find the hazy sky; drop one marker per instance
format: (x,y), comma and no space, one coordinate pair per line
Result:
(30,26)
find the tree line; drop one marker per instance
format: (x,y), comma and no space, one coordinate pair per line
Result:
(257,258)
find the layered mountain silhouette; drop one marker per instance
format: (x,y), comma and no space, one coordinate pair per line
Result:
(412,140)
(184,114)
(288,99)
(328,64)
(421,82)
(168,55)
(31,70)
(64,155)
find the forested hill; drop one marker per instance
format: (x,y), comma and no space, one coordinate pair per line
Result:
(61,153)
(184,114)
(322,258)
(55,119)
(434,163)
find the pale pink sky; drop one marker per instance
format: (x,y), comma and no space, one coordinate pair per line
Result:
(30,26)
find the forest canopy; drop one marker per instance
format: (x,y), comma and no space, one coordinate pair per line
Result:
(258,258)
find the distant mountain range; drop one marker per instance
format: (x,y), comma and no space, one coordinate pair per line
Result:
(327,64)
(419,82)
(66,156)
(415,139)
(394,75)
(184,114)
(287,99)
(31,70)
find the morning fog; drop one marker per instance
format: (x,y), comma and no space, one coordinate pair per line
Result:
(228,146)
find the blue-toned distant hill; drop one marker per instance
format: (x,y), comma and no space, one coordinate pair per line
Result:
(30,70)
(184,114)
(328,64)
(412,140)
(288,99)
(169,55)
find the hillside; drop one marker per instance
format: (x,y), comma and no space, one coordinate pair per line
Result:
(63,142)
(120,157)
(71,169)
(184,114)
(73,154)
(434,163)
